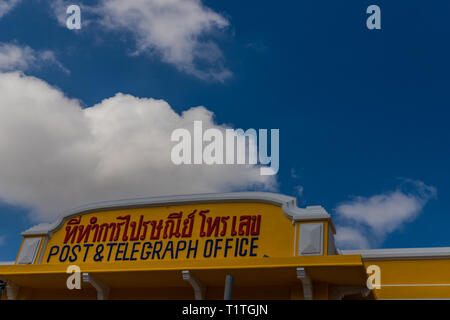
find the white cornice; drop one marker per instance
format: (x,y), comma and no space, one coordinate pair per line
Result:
(288,204)
(401,254)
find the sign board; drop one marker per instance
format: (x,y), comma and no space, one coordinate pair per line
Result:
(184,232)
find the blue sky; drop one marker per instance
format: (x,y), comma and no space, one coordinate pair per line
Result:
(362,113)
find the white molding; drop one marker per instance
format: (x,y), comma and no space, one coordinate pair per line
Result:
(331,243)
(306,283)
(29,250)
(295,239)
(310,237)
(401,254)
(102,289)
(199,288)
(229,286)
(44,246)
(12,290)
(288,205)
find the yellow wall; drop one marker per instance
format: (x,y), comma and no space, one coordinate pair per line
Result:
(275,239)
(413,279)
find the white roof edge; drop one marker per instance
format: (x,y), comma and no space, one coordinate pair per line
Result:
(287,203)
(401,254)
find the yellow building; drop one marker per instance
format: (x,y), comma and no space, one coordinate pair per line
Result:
(247,245)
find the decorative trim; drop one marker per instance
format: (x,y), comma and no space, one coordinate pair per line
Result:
(12,290)
(31,243)
(401,254)
(306,283)
(229,284)
(295,239)
(288,205)
(44,246)
(199,288)
(331,244)
(307,238)
(102,289)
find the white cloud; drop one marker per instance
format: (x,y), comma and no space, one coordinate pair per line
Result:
(55,155)
(384,213)
(347,237)
(16,57)
(178,31)
(6,6)
(59,8)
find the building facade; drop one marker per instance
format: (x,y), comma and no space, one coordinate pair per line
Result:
(247,245)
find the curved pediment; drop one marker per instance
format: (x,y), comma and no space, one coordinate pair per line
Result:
(288,204)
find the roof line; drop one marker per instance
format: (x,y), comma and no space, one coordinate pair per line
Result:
(401,254)
(287,203)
